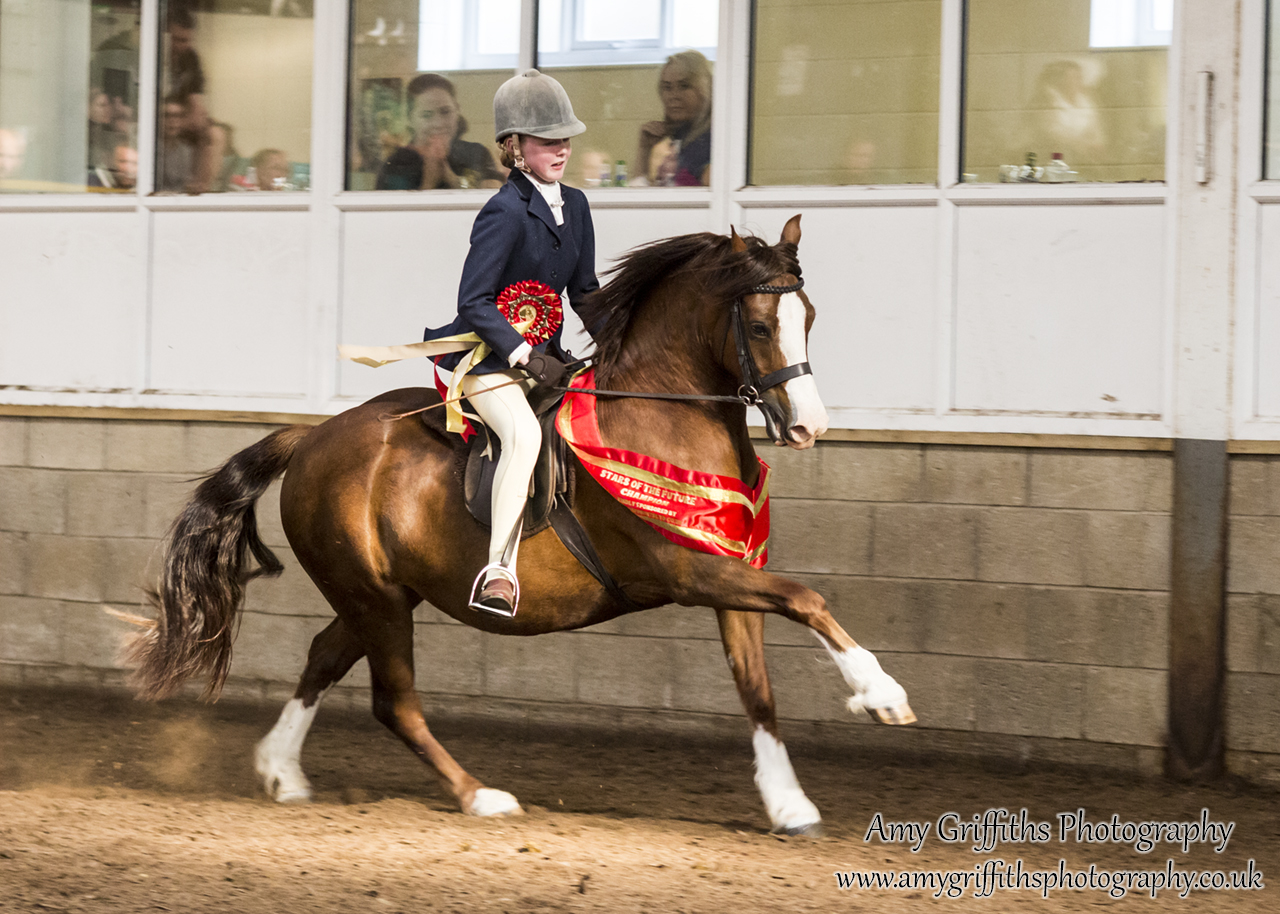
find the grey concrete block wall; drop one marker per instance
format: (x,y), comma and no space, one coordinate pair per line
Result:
(1013,591)
(1253,616)
(1020,594)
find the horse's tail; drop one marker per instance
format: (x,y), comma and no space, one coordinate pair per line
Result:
(202,581)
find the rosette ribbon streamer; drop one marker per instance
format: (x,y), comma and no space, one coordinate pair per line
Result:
(531,307)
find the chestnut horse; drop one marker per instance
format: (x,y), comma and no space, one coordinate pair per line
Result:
(373,508)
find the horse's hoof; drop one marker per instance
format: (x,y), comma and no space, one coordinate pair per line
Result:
(808,830)
(895,716)
(490,802)
(296,792)
(791,812)
(283,783)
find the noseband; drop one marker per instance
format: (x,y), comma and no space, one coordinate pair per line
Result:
(753,384)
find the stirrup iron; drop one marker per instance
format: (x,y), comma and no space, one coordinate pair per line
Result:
(500,571)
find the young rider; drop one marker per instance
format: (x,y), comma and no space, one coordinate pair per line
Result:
(536,229)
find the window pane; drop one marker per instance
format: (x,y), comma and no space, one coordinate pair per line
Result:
(1130,23)
(423,74)
(498,26)
(1080,82)
(647,109)
(235,96)
(608,20)
(695,23)
(845,92)
(68,95)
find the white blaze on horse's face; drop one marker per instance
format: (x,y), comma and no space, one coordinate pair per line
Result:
(808,415)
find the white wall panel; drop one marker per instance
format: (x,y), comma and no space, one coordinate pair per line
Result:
(72,299)
(1268,329)
(400,273)
(229,303)
(620,230)
(871,276)
(1060,309)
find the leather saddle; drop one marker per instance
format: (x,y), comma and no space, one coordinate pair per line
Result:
(553,477)
(552,487)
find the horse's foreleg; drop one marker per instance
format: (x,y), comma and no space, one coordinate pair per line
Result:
(790,811)
(396,705)
(732,585)
(277,758)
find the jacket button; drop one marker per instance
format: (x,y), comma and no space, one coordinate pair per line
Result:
(555,245)
(555,275)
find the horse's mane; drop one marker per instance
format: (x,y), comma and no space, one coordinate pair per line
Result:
(720,273)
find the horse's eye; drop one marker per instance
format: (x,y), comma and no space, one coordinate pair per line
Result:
(760,330)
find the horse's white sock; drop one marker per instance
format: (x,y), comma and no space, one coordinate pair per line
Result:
(789,809)
(872,686)
(277,758)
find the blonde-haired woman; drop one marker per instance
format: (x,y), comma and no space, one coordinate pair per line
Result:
(677,149)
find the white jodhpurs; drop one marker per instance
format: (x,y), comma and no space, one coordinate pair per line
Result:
(507,412)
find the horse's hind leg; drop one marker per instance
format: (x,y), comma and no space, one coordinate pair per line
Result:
(790,811)
(396,706)
(277,758)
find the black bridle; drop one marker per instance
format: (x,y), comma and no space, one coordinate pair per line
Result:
(753,383)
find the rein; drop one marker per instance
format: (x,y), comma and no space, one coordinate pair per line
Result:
(753,383)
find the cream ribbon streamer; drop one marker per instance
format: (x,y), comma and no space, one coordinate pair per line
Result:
(377,356)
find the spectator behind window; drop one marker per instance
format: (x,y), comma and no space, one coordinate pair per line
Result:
(103,135)
(185,72)
(192,159)
(273,169)
(221,159)
(123,173)
(437,158)
(1064,117)
(677,149)
(180,150)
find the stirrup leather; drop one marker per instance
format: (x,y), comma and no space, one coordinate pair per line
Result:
(502,571)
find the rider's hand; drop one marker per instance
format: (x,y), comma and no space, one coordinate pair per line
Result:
(546,369)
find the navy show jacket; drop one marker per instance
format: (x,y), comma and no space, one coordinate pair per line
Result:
(514,238)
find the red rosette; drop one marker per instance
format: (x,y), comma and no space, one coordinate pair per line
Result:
(534,301)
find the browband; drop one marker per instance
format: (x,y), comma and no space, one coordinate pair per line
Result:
(779,290)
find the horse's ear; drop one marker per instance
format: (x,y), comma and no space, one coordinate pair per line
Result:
(791,231)
(738,244)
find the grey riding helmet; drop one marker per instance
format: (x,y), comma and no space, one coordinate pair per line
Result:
(534,104)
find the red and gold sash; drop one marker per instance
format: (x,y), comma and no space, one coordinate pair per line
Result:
(703,511)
